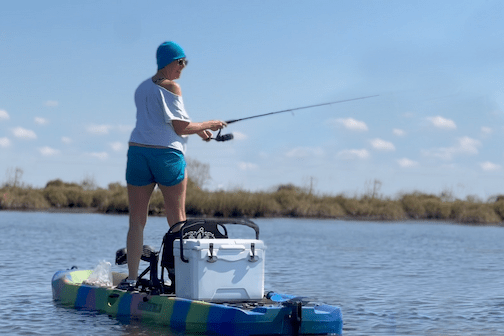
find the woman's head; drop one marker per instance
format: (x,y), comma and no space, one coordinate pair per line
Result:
(167,53)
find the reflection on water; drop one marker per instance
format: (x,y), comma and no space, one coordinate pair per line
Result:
(414,278)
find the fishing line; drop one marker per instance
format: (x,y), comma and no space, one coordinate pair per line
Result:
(226,137)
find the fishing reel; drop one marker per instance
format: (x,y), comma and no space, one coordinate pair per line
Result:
(224,137)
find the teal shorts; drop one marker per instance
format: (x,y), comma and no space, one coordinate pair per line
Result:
(165,166)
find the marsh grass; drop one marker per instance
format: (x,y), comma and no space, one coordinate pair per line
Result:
(284,201)
(425,206)
(16,198)
(499,208)
(474,213)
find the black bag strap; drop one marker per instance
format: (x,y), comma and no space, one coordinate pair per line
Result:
(203,230)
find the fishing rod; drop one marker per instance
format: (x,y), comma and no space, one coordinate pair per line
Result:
(229,136)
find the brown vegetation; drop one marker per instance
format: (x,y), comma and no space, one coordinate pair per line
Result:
(285,201)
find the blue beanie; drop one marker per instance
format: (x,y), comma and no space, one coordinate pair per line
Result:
(167,53)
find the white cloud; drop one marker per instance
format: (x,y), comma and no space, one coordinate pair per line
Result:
(66,140)
(350,154)
(98,129)
(5,142)
(124,128)
(407,163)
(382,145)
(465,145)
(105,129)
(239,136)
(398,132)
(99,155)
(23,133)
(302,152)
(443,123)
(48,151)
(4,115)
(489,166)
(247,166)
(41,121)
(51,103)
(117,146)
(486,130)
(352,124)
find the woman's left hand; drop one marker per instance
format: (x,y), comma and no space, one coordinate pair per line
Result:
(206,135)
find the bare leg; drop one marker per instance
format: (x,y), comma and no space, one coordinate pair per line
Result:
(174,201)
(139,198)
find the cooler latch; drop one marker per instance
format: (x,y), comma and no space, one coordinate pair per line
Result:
(253,257)
(211,256)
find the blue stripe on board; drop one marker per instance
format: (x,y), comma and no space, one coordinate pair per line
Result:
(220,321)
(179,315)
(82,295)
(124,308)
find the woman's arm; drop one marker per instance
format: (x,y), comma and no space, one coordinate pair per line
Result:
(187,128)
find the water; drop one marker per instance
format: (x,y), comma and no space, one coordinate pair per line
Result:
(414,278)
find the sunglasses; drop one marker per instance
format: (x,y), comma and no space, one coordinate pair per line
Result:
(182,61)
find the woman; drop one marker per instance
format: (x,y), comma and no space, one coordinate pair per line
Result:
(156,150)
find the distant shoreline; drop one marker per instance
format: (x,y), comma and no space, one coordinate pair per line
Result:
(287,201)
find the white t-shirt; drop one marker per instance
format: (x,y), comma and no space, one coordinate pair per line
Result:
(156,108)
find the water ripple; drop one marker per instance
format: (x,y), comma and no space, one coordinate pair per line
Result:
(389,279)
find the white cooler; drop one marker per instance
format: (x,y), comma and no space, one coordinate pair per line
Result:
(220,269)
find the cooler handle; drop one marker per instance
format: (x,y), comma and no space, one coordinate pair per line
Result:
(211,256)
(253,257)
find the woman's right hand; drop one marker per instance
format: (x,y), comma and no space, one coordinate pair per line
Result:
(216,125)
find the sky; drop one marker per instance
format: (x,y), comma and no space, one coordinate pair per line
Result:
(69,69)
